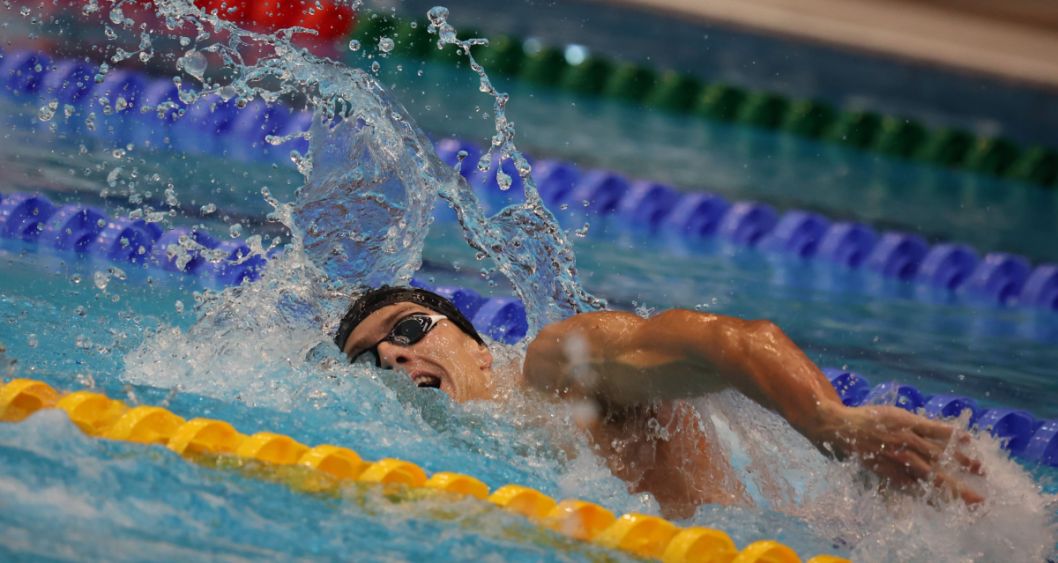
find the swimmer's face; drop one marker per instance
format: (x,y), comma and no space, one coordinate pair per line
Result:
(445,357)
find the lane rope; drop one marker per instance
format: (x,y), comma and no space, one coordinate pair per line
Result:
(333,466)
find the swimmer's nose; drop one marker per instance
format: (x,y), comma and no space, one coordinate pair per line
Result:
(390,355)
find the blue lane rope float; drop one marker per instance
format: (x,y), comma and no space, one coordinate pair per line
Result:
(33,218)
(211,124)
(998,279)
(80,229)
(1019,431)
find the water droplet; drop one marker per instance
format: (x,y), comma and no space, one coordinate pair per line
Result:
(193,63)
(101,280)
(354,45)
(47,111)
(503,180)
(438,15)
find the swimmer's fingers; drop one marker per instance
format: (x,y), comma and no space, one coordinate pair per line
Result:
(929,450)
(936,430)
(926,471)
(933,451)
(971,464)
(957,488)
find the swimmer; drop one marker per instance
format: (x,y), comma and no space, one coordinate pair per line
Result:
(636,370)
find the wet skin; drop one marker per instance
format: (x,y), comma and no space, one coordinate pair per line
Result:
(637,370)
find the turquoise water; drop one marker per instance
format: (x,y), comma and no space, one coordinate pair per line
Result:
(260,357)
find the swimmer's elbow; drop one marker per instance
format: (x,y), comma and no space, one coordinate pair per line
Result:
(576,343)
(541,368)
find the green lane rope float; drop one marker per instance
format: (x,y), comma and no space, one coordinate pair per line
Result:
(682,93)
(325,468)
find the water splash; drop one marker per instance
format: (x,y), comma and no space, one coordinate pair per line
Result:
(842,501)
(524,239)
(365,223)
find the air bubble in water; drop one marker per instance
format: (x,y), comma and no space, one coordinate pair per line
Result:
(375,67)
(208,208)
(385,44)
(31,340)
(235,231)
(354,45)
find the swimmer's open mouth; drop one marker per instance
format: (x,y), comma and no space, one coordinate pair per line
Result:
(427,380)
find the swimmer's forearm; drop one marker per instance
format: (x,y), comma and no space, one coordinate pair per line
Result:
(621,360)
(758,359)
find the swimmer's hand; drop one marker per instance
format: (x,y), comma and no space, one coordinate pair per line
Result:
(900,447)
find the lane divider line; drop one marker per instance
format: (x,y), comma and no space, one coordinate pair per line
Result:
(997,278)
(639,534)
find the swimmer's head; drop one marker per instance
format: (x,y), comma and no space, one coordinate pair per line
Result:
(422,334)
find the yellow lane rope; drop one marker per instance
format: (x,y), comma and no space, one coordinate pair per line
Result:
(639,534)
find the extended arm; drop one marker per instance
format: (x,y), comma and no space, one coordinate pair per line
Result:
(621,359)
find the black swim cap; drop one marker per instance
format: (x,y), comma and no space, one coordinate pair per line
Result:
(376,299)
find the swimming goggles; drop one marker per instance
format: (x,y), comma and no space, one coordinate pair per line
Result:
(407,332)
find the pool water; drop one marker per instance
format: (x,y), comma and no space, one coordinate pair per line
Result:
(258,357)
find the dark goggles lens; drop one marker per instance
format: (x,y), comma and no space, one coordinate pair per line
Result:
(410,330)
(406,332)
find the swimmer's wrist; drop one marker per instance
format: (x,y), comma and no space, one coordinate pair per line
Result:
(823,428)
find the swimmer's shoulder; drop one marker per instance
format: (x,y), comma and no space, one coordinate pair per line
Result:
(595,327)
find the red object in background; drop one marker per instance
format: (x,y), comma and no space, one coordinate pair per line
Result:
(331,22)
(270,15)
(237,11)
